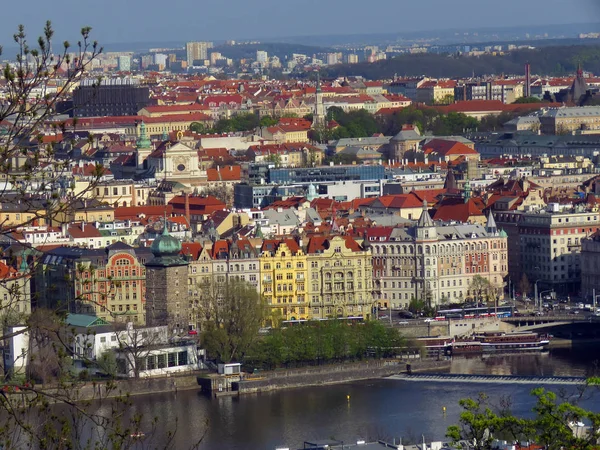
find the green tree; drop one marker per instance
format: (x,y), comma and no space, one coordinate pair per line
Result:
(230,313)
(274,158)
(522,100)
(481,288)
(553,425)
(199,128)
(268,121)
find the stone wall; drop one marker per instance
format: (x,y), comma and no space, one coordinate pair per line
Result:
(142,386)
(333,374)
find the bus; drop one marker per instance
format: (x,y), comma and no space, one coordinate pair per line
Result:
(472,313)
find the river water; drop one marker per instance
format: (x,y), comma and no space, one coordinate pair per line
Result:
(375,409)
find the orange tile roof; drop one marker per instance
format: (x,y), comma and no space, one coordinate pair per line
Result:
(193,249)
(134,212)
(174,108)
(225,173)
(445,148)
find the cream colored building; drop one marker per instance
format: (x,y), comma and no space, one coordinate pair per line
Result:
(340,278)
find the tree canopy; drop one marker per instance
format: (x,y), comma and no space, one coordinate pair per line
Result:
(555,423)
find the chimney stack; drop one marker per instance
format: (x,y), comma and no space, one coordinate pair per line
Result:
(187,208)
(527,80)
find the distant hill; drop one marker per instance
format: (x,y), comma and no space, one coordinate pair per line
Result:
(554,60)
(281,50)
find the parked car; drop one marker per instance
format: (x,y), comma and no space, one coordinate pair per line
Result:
(429,319)
(406,314)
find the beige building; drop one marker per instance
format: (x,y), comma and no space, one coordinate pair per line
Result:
(434,263)
(340,278)
(122,193)
(565,120)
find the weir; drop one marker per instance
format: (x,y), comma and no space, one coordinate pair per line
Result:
(489,379)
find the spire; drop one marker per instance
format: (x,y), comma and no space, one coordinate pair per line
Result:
(425,219)
(450,183)
(318,83)
(467,190)
(579,70)
(143,141)
(258,232)
(490,226)
(24,267)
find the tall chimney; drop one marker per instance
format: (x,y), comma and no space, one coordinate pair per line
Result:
(527,80)
(187,208)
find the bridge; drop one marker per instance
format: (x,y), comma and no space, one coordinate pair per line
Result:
(490,379)
(534,323)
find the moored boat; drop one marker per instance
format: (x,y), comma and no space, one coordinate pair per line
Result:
(494,342)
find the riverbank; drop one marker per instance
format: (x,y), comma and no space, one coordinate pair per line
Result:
(333,374)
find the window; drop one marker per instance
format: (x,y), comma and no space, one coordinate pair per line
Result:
(103,339)
(182,359)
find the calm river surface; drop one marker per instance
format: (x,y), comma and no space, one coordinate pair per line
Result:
(376,409)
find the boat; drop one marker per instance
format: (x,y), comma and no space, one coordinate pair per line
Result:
(436,346)
(500,342)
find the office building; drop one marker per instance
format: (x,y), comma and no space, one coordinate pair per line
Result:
(112,97)
(124,64)
(551,247)
(262,57)
(326,173)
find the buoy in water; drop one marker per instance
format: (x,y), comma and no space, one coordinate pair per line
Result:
(348,397)
(444,409)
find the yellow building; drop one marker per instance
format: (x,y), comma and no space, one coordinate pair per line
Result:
(121,193)
(340,278)
(283,271)
(90,211)
(286,133)
(21,215)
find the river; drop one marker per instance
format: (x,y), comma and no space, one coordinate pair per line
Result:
(374,409)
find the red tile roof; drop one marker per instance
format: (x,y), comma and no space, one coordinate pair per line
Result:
(225,173)
(193,249)
(175,108)
(136,212)
(80,231)
(459,210)
(446,148)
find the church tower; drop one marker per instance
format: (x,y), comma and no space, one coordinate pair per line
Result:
(143,145)
(167,300)
(319,115)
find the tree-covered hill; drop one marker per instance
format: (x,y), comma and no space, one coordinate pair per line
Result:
(557,61)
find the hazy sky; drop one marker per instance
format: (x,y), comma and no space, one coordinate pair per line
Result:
(175,20)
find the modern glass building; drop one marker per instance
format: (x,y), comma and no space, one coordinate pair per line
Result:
(326,173)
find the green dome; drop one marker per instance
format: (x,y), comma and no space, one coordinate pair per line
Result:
(165,245)
(143,141)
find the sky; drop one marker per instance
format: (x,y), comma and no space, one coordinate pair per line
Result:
(119,21)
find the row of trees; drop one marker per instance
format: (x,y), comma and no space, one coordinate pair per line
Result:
(239,122)
(361,123)
(325,342)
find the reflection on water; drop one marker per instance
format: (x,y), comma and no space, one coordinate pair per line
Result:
(376,409)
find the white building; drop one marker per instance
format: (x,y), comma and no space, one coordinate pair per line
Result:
(148,350)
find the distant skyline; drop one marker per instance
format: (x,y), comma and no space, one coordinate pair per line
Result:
(118,21)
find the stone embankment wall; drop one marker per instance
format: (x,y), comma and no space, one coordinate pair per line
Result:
(331,374)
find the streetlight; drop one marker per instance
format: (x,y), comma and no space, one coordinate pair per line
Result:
(542,293)
(535,294)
